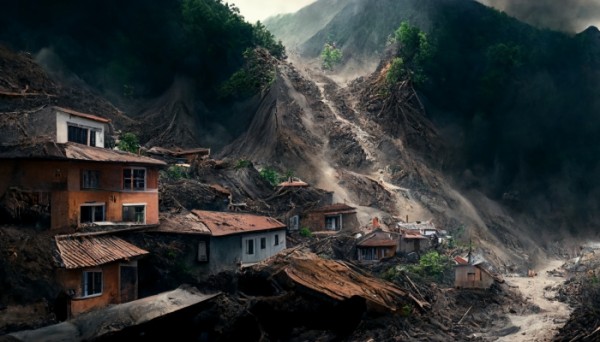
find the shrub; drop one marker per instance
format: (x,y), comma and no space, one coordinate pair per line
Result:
(305,232)
(129,142)
(175,172)
(242,164)
(330,56)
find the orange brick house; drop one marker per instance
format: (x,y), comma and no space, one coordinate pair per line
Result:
(334,217)
(96,270)
(77,182)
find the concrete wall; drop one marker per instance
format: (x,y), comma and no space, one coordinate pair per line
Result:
(227,252)
(471,277)
(63,181)
(63,119)
(72,280)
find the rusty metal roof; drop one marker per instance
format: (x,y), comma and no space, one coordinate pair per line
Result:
(82,115)
(74,151)
(181,224)
(293,182)
(337,208)
(378,239)
(88,251)
(222,223)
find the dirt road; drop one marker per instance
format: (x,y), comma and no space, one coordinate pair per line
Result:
(543,325)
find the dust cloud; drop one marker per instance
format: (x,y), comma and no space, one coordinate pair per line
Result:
(568,16)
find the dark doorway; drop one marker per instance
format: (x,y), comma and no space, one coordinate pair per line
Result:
(128,283)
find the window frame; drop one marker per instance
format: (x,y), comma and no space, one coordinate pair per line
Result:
(144,205)
(276,240)
(93,204)
(83,178)
(132,178)
(249,247)
(263,242)
(84,283)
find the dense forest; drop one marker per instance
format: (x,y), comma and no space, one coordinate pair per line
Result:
(136,48)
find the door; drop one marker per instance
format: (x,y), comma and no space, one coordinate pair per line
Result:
(128,286)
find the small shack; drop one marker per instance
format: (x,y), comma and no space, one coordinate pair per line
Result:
(412,241)
(472,276)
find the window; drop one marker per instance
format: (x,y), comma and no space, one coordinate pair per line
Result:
(276,239)
(91,213)
(134,179)
(90,179)
(134,213)
(81,135)
(77,134)
(263,243)
(202,255)
(332,223)
(294,222)
(250,246)
(91,284)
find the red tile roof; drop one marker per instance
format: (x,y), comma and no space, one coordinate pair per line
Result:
(74,151)
(222,223)
(94,250)
(337,208)
(461,260)
(82,115)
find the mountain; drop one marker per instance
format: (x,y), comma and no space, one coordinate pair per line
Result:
(517,103)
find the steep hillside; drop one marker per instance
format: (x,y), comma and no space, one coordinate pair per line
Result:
(517,103)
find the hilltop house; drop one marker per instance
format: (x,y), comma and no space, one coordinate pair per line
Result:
(332,217)
(377,245)
(65,172)
(95,270)
(219,241)
(412,241)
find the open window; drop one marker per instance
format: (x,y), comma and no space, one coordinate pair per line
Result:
(202,251)
(249,247)
(134,213)
(333,223)
(276,240)
(91,284)
(91,212)
(134,178)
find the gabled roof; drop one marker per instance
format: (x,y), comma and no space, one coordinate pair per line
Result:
(73,151)
(222,223)
(337,208)
(378,239)
(410,235)
(94,250)
(82,115)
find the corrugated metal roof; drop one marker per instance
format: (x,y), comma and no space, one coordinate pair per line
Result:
(74,151)
(88,251)
(337,207)
(221,223)
(82,115)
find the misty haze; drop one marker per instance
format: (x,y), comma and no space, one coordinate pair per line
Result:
(330,170)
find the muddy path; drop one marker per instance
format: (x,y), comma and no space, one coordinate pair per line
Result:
(552,315)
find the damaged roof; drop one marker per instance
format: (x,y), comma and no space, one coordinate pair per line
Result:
(81,115)
(336,280)
(73,151)
(182,224)
(337,208)
(222,223)
(79,251)
(419,225)
(294,183)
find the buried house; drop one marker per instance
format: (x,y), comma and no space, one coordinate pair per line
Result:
(65,178)
(95,271)
(469,275)
(217,241)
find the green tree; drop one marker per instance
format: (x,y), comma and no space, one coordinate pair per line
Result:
(270,175)
(330,56)
(129,142)
(414,51)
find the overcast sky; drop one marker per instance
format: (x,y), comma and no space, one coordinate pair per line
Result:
(254,10)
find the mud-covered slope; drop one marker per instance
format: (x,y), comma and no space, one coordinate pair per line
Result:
(379,153)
